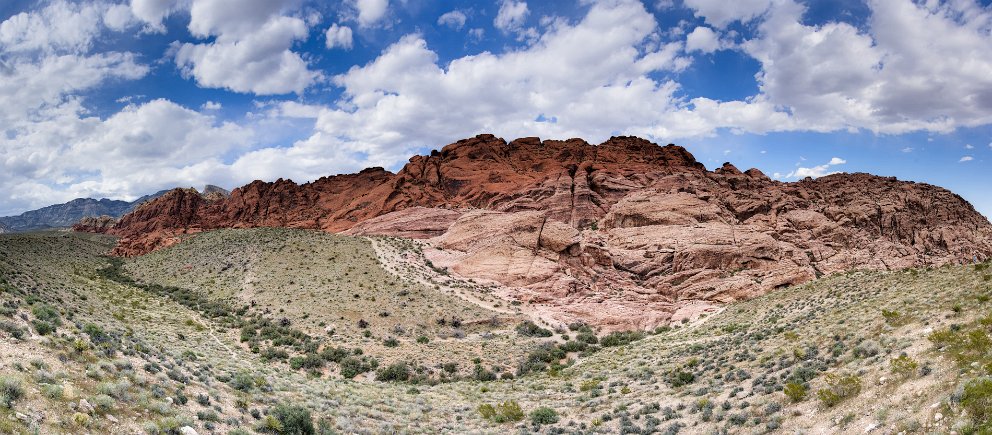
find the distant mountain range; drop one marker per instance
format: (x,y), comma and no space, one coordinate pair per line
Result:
(64,215)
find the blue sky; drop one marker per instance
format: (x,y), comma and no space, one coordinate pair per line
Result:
(113,98)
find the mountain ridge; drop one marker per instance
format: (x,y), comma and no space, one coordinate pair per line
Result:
(569,224)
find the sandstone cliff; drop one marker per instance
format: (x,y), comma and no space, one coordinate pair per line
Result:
(626,234)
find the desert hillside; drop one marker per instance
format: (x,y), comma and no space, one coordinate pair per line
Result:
(237,331)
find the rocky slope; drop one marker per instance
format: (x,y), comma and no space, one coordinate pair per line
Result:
(67,214)
(626,234)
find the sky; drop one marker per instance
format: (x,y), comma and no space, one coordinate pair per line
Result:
(118,99)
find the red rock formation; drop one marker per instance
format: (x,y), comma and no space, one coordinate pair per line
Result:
(623,234)
(98,225)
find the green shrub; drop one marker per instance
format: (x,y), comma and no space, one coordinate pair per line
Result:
(543,415)
(391,342)
(505,412)
(42,327)
(11,391)
(293,419)
(52,391)
(839,388)
(678,377)
(977,399)
(354,366)
(530,329)
(904,366)
(396,372)
(620,338)
(47,313)
(795,391)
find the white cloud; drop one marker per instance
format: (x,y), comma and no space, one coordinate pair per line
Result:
(968,147)
(702,39)
(721,12)
(60,27)
(251,52)
(907,150)
(211,105)
(371,12)
(889,78)
(966,159)
(454,19)
(816,171)
(339,37)
(511,16)
(152,12)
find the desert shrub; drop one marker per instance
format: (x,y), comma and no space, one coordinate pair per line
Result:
(11,391)
(893,318)
(308,361)
(396,372)
(678,378)
(530,329)
(795,391)
(539,359)
(293,419)
(12,329)
(620,338)
(544,415)
(966,345)
(574,346)
(334,354)
(423,339)
(43,328)
(505,412)
(480,373)
(839,388)
(977,400)
(354,366)
(904,366)
(245,381)
(80,419)
(47,313)
(52,391)
(391,342)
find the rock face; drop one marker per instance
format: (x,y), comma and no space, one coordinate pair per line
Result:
(626,234)
(100,224)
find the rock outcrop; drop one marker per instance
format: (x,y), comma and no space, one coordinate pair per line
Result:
(98,225)
(626,234)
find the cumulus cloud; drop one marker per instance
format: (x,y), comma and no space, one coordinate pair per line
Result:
(371,12)
(454,19)
(211,105)
(339,37)
(966,159)
(721,12)
(817,171)
(152,12)
(251,52)
(61,26)
(890,78)
(511,16)
(702,39)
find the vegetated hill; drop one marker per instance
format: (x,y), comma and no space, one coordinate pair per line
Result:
(85,350)
(626,234)
(67,214)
